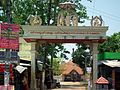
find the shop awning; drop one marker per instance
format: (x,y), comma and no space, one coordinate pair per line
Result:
(24,64)
(113,63)
(109,56)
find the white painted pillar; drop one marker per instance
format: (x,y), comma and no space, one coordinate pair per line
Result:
(33,65)
(95,65)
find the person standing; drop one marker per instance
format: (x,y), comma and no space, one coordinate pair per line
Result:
(25,83)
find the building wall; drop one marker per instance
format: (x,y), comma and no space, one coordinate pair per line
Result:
(24,50)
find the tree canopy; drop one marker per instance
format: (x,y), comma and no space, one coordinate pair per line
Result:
(56,66)
(81,57)
(46,9)
(112,44)
(51,49)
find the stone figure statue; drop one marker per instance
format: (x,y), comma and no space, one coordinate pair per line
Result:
(96,22)
(67,20)
(35,20)
(60,21)
(75,20)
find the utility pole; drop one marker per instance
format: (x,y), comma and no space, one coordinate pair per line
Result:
(8,11)
(49,11)
(9,20)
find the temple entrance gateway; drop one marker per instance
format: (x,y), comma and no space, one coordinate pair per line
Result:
(37,35)
(66,31)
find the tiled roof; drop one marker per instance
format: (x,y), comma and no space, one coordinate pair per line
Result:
(102,80)
(70,66)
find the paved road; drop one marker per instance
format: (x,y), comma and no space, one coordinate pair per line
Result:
(71,86)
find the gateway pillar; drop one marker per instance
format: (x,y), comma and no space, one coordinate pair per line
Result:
(33,66)
(95,66)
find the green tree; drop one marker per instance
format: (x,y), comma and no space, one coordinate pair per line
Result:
(52,50)
(46,9)
(56,66)
(81,57)
(3,16)
(112,44)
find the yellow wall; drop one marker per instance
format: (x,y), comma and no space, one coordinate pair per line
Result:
(24,50)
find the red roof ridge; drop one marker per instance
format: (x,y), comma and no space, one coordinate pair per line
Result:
(69,66)
(102,80)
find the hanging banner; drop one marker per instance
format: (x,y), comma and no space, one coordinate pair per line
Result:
(9,36)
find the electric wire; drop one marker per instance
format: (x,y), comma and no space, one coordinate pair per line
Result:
(109,16)
(94,11)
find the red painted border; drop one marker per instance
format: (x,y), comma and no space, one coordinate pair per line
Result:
(66,40)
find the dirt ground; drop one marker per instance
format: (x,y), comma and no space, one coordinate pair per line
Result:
(71,86)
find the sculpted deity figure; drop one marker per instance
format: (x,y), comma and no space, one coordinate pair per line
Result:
(67,20)
(96,22)
(60,21)
(35,20)
(75,20)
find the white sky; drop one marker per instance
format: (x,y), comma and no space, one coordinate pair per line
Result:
(69,47)
(108,9)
